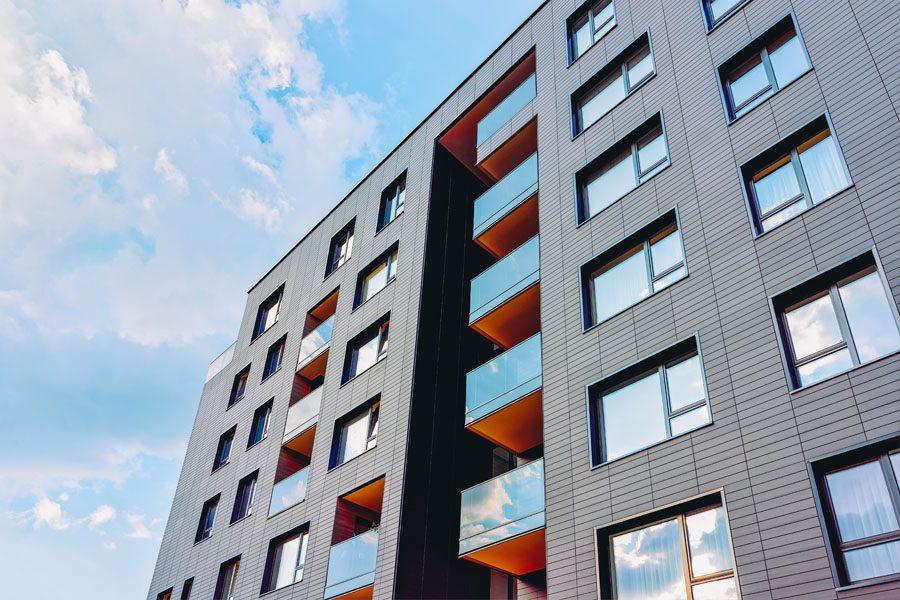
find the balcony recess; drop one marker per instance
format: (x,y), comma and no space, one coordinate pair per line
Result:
(302,417)
(506,215)
(289,491)
(351,567)
(314,350)
(506,109)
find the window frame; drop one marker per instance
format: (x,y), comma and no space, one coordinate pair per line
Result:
(273,300)
(381,330)
(586,10)
(220,579)
(228,436)
(710,23)
(387,197)
(210,504)
(251,480)
(243,374)
(187,588)
(264,410)
(388,258)
(270,571)
(337,241)
(372,411)
(278,348)
(166,594)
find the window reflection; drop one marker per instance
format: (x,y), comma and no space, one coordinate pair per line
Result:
(870,318)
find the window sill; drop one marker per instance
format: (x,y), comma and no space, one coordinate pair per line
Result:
(377,232)
(244,518)
(868,583)
(759,102)
(594,45)
(361,373)
(330,273)
(757,235)
(655,444)
(264,332)
(361,304)
(642,83)
(734,10)
(659,170)
(272,374)
(255,444)
(198,542)
(800,389)
(235,403)
(639,302)
(220,467)
(350,460)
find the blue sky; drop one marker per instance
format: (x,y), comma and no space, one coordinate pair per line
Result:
(156,157)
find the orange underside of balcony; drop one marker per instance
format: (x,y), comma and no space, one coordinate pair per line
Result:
(364,593)
(513,230)
(303,443)
(514,321)
(517,426)
(315,367)
(517,556)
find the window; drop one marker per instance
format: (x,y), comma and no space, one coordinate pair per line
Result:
(683,552)
(273,358)
(259,427)
(612,84)
(223,450)
(340,249)
(392,199)
(837,321)
(630,162)
(639,266)
(588,25)
(166,595)
(367,348)
(655,399)
(803,170)
(859,501)
(207,519)
(243,501)
(239,387)
(356,433)
(186,589)
(716,11)
(285,560)
(267,314)
(376,276)
(226,583)
(768,64)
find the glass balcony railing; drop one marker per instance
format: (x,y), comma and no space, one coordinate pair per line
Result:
(314,341)
(507,109)
(351,564)
(505,379)
(519,185)
(514,273)
(289,491)
(220,362)
(502,508)
(303,414)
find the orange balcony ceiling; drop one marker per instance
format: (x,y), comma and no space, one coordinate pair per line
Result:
(315,367)
(364,593)
(515,320)
(303,443)
(513,230)
(510,155)
(517,556)
(369,496)
(517,426)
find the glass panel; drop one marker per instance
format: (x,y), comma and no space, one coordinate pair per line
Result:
(690,420)
(789,61)
(813,327)
(633,417)
(507,109)
(504,379)
(366,355)
(351,564)
(685,383)
(518,185)
(603,100)
(785,214)
(722,589)
(873,561)
(582,38)
(776,188)
(286,562)
(872,322)
(610,185)
(861,501)
(823,170)
(303,414)
(825,367)
(220,362)
(375,281)
(316,339)
(648,563)
(719,8)
(640,66)
(708,540)
(666,253)
(748,85)
(895,463)
(604,20)
(651,152)
(507,277)
(354,436)
(664,282)
(289,491)
(621,286)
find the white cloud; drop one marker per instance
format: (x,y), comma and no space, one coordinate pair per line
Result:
(261,211)
(109,546)
(139,530)
(46,512)
(103,514)
(170,174)
(260,168)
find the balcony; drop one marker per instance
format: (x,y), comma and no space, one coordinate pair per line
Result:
(289,491)
(503,398)
(506,109)
(351,567)
(504,304)
(314,350)
(220,362)
(302,417)
(501,522)
(506,214)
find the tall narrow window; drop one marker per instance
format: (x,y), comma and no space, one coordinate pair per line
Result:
(259,427)
(226,583)
(223,450)
(286,559)
(837,321)
(367,348)
(273,358)
(166,595)
(207,519)
(267,314)
(340,248)
(805,169)
(716,11)
(612,84)
(356,433)
(239,387)
(631,161)
(376,276)
(392,200)
(588,25)
(243,500)
(186,589)
(768,64)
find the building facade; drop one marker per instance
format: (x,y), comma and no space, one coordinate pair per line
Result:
(618,319)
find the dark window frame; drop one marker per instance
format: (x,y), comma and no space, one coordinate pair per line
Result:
(381,259)
(212,504)
(270,572)
(344,236)
(166,594)
(272,301)
(220,578)
(372,407)
(243,374)
(380,330)
(263,411)
(250,480)
(586,11)
(275,350)
(227,436)
(710,23)
(388,195)
(187,588)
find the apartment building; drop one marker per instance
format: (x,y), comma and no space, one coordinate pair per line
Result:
(618,319)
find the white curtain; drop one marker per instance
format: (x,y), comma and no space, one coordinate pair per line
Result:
(823,170)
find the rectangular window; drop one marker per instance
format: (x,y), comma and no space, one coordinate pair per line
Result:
(223,450)
(771,62)
(267,314)
(376,276)
(207,519)
(226,583)
(392,200)
(367,348)
(273,358)
(356,433)
(859,502)
(612,84)
(285,559)
(340,248)
(628,163)
(682,552)
(166,595)
(639,266)
(803,170)
(588,24)
(838,320)
(243,501)
(716,11)
(186,589)
(259,427)
(655,399)
(239,387)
